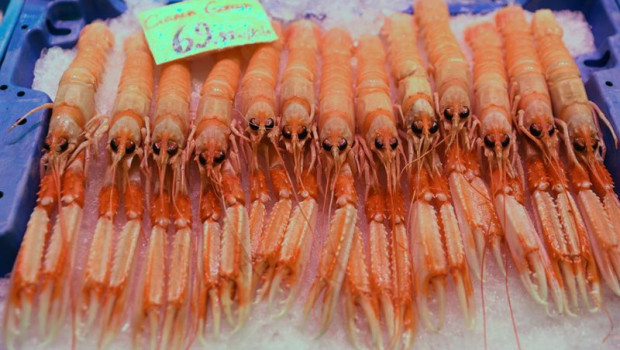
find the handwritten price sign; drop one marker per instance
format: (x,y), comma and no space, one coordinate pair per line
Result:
(189,28)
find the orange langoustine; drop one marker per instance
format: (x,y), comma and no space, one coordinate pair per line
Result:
(220,183)
(432,200)
(336,135)
(42,268)
(165,303)
(259,109)
(298,128)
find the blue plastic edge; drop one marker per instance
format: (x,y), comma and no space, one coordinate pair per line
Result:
(58,22)
(10,17)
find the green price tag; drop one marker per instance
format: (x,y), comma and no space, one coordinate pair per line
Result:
(193,27)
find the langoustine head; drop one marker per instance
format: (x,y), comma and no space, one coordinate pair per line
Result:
(540,128)
(65,134)
(167,143)
(296,130)
(583,134)
(382,139)
(125,136)
(261,120)
(421,124)
(455,109)
(336,140)
(496,133)
(211,147)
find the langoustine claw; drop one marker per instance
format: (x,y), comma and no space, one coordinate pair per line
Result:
(337,249)
(297,244)
(359,299)
(438,250)
(236,262)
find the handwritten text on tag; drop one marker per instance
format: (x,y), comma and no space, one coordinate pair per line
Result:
(189,28)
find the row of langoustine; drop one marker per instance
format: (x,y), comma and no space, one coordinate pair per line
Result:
(453,214)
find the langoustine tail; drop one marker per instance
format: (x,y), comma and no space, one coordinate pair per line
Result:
(335,255)
(55,294)
(405,312)
(236,265)
(276,228)
(176,328)
(116,298)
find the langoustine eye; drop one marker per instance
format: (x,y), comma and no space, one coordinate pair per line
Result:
(303,133)
(219,157)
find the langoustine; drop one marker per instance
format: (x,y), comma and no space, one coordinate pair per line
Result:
(259,110)
(472,215)
(390,272)
(577,116)
(217,157)
(105,289)
(559,220)
(299,133)
(500,150)
(44,262)
(165,288)
(336,135)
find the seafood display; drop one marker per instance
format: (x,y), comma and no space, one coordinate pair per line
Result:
(259,110)
(443,248)
(218,163)
(165,302)
(371,175)
(299,134)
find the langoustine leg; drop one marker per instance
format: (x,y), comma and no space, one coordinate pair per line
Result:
(298,133)
(166,292)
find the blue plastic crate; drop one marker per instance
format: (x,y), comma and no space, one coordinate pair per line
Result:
(46,23)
